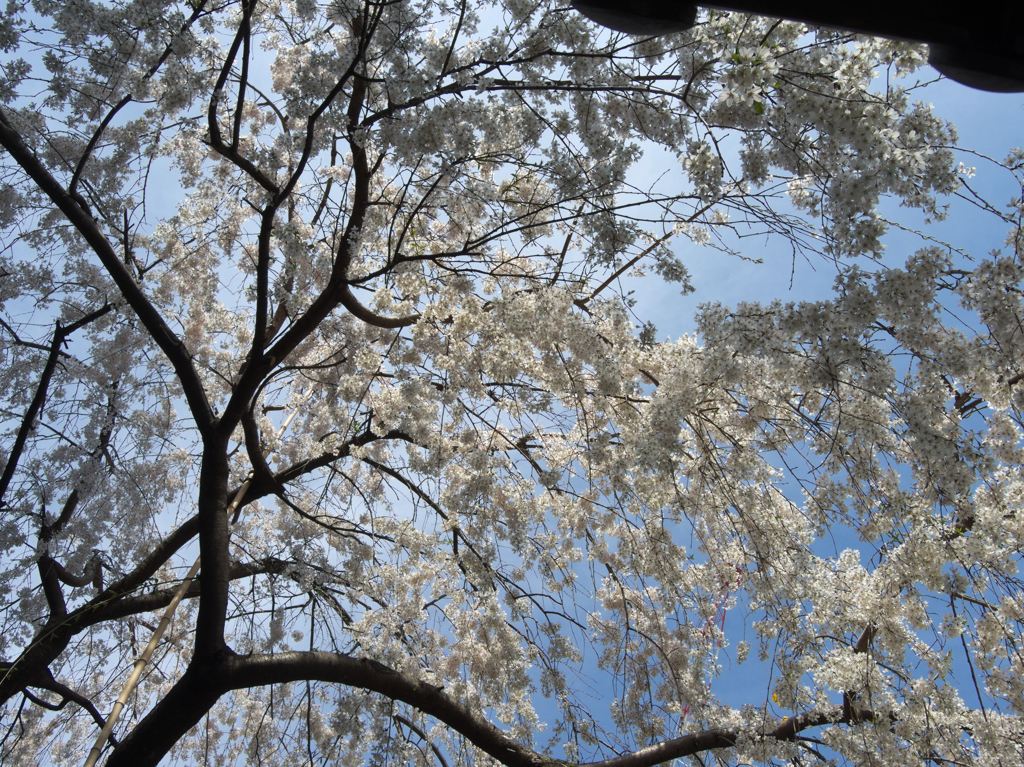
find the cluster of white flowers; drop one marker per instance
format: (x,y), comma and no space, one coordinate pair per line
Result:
(456,454)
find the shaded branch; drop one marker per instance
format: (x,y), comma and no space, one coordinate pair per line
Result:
(262,485)
(172,346)
(207,680)
(67,696)
(60,335)
(412,727)
(214,536)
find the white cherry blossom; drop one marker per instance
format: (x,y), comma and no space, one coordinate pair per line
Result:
(330,295)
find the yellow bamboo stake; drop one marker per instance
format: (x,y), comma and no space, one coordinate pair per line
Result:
(147,654)
(143,660)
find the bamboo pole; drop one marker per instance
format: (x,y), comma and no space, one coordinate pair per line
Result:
(147,654)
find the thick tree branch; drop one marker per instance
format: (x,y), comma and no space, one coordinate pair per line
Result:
(51,587)
(261,471)
(174,715)
(154,600)
(172,346)
(250,671)
(214,535)
(91,573)
(370,317)
(330,297)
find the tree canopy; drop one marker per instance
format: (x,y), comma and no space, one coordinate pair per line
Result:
(328,299)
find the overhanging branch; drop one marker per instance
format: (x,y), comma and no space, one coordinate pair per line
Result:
(255,670)
(169,343)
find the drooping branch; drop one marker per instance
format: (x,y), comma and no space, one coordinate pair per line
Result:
(92,573)
(418,731)
(457,533)
(68,695)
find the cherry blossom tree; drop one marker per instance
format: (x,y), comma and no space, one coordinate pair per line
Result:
(326,297)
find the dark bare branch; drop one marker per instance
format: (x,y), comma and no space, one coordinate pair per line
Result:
(172,346)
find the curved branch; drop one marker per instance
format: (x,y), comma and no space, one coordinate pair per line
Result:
(51,586)
(243,672)
(67,696)
(92,573)
(350,302)
(414,728)
(457,533)
(261,472)
(205,682)
(264,485)
(250,671)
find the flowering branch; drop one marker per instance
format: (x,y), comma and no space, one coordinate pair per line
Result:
(165,338)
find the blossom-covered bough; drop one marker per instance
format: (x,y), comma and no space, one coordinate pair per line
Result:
(505,524)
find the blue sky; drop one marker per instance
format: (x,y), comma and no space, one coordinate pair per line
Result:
(988,123)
